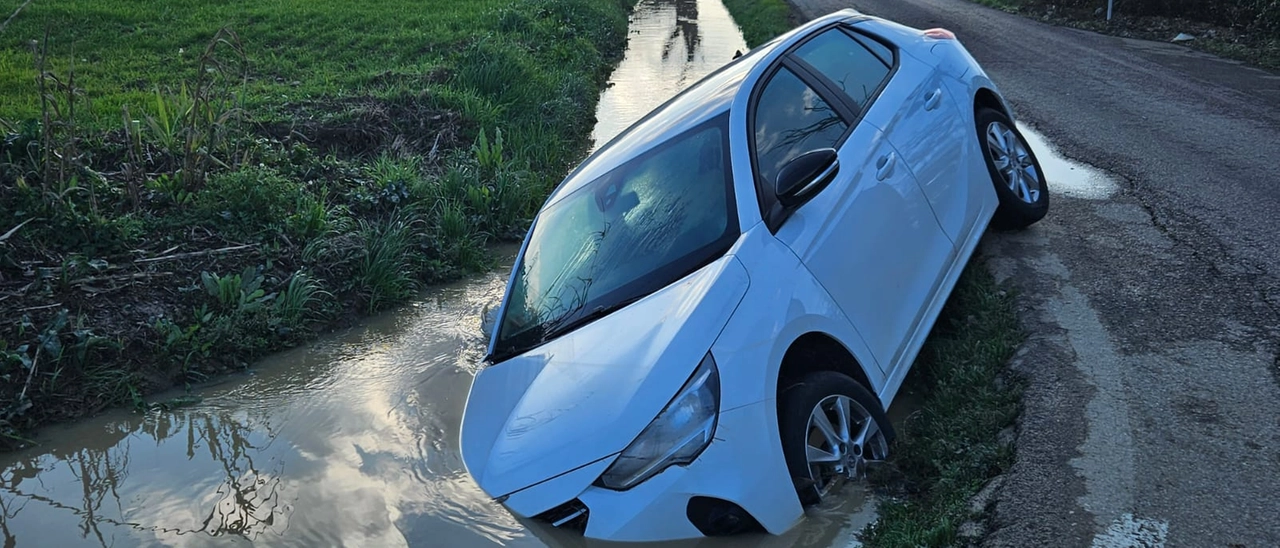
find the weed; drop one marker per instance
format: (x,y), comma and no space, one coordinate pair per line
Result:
(171,187)
(489,154)
(254,201)
(196,124)
(60,154)
(298,299)
(189,343)
(385,273)
(60,352)
(240,293)
(310,217)
(495,68)
(392,177)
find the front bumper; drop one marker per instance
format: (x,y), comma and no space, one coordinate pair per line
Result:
(743,466)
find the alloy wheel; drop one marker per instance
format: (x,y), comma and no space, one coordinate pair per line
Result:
(1013,160)
(841,437)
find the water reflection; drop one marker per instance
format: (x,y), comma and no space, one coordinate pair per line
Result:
(672,44)
(686,28)
(351,441)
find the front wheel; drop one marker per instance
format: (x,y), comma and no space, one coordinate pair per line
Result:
(1015,172)
(831,427)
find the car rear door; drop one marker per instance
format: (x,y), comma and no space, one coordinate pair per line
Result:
(924,123)
(870,237)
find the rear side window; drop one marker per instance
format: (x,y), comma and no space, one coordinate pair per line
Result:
(791,119)
(847,63)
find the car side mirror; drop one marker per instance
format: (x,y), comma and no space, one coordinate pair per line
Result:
(806,175)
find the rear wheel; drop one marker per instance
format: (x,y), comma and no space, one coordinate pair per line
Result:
(831,427)
(1015,172)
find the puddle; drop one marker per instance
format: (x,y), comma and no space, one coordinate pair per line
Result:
(1068,177)
(351,440)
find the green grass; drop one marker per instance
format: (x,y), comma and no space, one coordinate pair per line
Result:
(344,153)
(950,446)
(298,49)
(527,63)
(760,20)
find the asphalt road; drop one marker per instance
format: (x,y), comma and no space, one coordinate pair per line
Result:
(1152,411)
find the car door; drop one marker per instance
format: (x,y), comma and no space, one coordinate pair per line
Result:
(869,237)
(924,123)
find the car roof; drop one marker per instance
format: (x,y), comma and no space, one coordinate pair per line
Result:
(708,98)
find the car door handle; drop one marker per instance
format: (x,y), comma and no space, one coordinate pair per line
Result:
(933,99)
(884,166)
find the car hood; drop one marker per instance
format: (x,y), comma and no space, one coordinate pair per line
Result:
(586,395)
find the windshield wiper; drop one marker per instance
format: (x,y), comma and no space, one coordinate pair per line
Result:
(557,328)
(566,325)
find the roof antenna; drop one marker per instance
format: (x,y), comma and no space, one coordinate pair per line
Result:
(737,54)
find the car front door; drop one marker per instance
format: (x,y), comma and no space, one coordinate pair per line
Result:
(869,237)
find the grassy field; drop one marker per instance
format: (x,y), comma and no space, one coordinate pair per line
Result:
(761,20)
(184,188)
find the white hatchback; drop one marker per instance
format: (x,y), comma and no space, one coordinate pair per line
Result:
(710,315)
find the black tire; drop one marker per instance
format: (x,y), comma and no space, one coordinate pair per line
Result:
(796,404)
(1014,212)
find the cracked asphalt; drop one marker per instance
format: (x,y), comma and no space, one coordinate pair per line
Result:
(1152,410)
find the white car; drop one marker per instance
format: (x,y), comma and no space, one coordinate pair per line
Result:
(710,315)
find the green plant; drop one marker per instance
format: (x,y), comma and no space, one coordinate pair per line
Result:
(310,217)
(760,20)
(458,239)
(297,300)
(385,274)
(196,125)
(255,200)
(489,154)
(950,446)
(146,150)
(170,187)
(392,177)
(167,123)
(237,292)
(61,346)
(187,343)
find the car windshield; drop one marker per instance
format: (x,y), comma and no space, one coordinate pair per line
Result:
(634,230)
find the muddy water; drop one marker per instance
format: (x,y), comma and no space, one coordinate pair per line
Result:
(351,440)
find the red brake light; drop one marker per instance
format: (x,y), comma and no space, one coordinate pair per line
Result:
(940,34)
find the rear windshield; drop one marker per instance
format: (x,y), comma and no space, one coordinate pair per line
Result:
(634,230)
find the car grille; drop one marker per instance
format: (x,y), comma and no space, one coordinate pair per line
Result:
(571,515)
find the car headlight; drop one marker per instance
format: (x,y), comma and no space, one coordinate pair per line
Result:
(677,436)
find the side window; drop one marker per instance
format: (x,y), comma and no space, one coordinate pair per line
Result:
(882,51)
(791,119)
(847,63)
